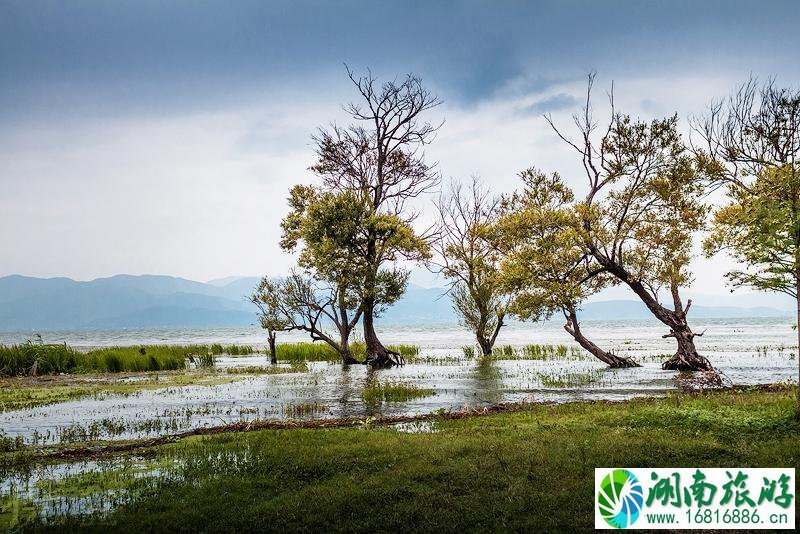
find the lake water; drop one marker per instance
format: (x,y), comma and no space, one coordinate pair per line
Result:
(746,351)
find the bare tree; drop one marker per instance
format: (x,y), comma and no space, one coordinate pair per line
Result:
(467,260)
(380,156)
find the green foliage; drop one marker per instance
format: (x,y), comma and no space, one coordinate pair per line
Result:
(760,228)
(469,261)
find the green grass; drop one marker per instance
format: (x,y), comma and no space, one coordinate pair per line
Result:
(36,358)
(46,359)
(295,367)
(306,352)
(376,392)
(409,352)
(526,471)
(231,350)
(18,397)
(322,352)
(564,379)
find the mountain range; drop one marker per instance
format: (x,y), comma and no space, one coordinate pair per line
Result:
(126,301)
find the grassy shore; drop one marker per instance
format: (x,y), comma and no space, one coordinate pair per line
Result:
(526,470)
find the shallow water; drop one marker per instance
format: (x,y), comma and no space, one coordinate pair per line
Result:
(746,351)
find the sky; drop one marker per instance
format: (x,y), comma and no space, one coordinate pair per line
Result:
(163,137)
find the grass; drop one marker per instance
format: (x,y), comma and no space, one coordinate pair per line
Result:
(231,350)
(33,358)
(18,396)
(564,379)
(322,352)
(306,352)
(376,392)
(295,367)
(530,470)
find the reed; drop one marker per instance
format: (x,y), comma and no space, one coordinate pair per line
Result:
(37,358)
(307,352)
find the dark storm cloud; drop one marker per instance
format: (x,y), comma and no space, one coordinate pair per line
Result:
(159,57)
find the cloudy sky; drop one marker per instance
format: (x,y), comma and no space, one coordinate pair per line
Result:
(162,137)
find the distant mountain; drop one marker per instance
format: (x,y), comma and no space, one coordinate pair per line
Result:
(634,309)
(126,301)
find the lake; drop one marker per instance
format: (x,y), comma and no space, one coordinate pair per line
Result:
(746,351)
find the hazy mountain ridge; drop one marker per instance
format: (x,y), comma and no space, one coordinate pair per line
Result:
(28,303)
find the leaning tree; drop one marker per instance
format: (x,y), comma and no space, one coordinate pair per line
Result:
(642,208)
(467,260)
(380,157)
(545,264)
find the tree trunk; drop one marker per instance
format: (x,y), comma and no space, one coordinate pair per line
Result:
(797,289)
(686,357)
(609,358)
(485,345)
(377,355)
(344,348)
(273,355)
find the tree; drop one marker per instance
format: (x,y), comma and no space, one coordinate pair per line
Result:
(545,262)
(641,210)
(300,302)
(750,144)
(270,315)
(332,230)
(466,259)
(380,158)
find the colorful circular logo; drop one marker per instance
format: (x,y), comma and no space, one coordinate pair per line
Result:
(620,498)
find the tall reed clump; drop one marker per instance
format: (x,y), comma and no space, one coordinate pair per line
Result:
(144,358)
(37,359)
(231,350)
(409,352)
(308,352)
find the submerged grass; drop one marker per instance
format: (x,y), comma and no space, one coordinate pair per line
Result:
(524,471)
(294,367)
(568,379)
(19,396)
(376,392)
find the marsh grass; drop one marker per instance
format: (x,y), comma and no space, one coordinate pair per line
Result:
(294,367)
(218,349)
(568,379)
(306,352)
(305,409)
(409,352)
(37,358)
(473,474)
(376,392)
(322,352)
